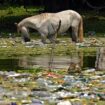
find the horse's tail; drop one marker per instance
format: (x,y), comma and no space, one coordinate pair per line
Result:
(80,30)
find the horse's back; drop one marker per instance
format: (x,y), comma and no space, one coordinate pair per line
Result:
(68,18)
(70,13)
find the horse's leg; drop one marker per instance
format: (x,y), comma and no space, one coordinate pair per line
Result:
(75,34)
(50,37)
(53,39)
(25,34)
(43,38)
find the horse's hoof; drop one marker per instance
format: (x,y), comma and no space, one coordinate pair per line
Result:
(57,41)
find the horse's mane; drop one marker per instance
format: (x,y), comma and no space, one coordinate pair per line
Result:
(44,15)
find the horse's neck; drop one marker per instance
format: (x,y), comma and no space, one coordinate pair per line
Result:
(39,20)
(36,21)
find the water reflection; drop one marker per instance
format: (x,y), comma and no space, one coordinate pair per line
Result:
(9,64)
(89,61)
(27,62)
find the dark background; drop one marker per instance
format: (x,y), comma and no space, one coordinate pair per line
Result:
(58,5)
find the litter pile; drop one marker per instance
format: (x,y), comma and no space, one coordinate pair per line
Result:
(52,88)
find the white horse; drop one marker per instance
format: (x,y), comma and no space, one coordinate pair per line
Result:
(48,24)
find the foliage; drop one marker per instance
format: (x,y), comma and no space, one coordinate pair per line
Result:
(9,15)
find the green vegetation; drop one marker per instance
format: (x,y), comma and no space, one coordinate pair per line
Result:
(94,21)
(18,49)
(10,15)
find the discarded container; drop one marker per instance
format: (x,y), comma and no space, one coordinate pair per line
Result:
(37,102)
(13,103)
(64,103)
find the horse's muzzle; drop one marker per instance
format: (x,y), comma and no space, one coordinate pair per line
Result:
(26,39)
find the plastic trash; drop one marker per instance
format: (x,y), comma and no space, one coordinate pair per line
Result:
(64,103)
(37,102)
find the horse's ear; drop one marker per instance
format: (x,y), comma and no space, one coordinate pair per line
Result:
(16,24)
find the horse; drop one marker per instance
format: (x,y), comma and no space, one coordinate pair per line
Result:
(51,24)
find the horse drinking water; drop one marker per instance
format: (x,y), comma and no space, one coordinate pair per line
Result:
(48,24)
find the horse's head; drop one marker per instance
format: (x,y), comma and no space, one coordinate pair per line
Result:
(26,39)
(24,32)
